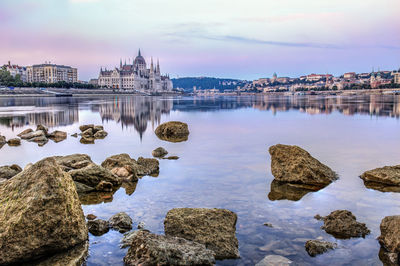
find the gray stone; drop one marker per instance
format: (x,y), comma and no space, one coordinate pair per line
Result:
(8,171)
(343,224)
(390,233)
(173,131)
(159,152)
(98,227)
(274,260)
(316,247)
(121,222)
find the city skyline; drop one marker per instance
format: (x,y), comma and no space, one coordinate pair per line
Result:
(209,38)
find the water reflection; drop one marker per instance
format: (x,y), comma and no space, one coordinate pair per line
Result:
(289,191)
(97,197)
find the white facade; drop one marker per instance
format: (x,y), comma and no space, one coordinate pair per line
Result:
(135,77)
(16,70)
(50,73)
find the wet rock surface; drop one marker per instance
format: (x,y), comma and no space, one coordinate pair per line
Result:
(389,258)
(41,213)
(151,249)
(390,233)
(342,224)
(274,260)
(385,179)
(26,131)
(8,171)
(98,227)
(173,131)
(147,166)
(121,222)
(293,164)
(92,174)
(215,228)
(159,152)
(57,136)
(316,247)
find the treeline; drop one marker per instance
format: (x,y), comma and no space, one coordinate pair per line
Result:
(206,83)
(6,79)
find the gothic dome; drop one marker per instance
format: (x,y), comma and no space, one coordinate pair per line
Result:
(139,60)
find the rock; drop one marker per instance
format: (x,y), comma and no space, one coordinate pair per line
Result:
(121,222)
(93,174)
(215,228)
(159,152)
(27,166)
(98,227)
(96,197)
(379,178)
(72,257)
(292,164)
(75,135)
(173,131)
(101,134)
(41,213)
(42,128)
(91,216)
(88,133)
(73,161)
(57,135)
(343,224)
(290,191)
(389,258)
(318,217)
(141,225)
(82,188)
(151,249)
(148,166)
(98,128)
(122,165)
(9,171)
(390,233)
(316,247)
(274,260)
(40,139)
(3,140)
(85,127)
(14,142)
(104,186)
(26,131)
(33,134)
(268,225)
(86,140)
(171,158)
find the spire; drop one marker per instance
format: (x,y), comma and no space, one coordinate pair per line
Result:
(139,54)
(158,66)
(120,63)
(151,66)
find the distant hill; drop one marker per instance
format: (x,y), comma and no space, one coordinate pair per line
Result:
(205,83)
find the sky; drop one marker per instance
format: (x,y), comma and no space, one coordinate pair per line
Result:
(244,39)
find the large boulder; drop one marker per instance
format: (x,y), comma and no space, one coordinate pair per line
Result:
(294,165)
(386,179)
(390,233)
(173,131)
(316,247)
(151,249)
(40,213)
(343,224)
(9,171)
(215,228)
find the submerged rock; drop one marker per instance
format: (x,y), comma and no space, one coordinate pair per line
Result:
(316,247)
(215,228)
(290,191)
(98,227)
(343,224)
(390,233)
(173,131)
(41,213)
(159,152)
(121,222)
(151,249)
(14,142)
(274,260)
(8,171)
(57,136)
(292,164)
(385,179)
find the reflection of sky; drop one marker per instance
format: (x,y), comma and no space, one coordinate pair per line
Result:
(225,163)
(242,39)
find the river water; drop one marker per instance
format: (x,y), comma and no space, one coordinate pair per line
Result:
(225,164)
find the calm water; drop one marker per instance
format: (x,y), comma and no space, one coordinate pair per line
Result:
(226,164)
